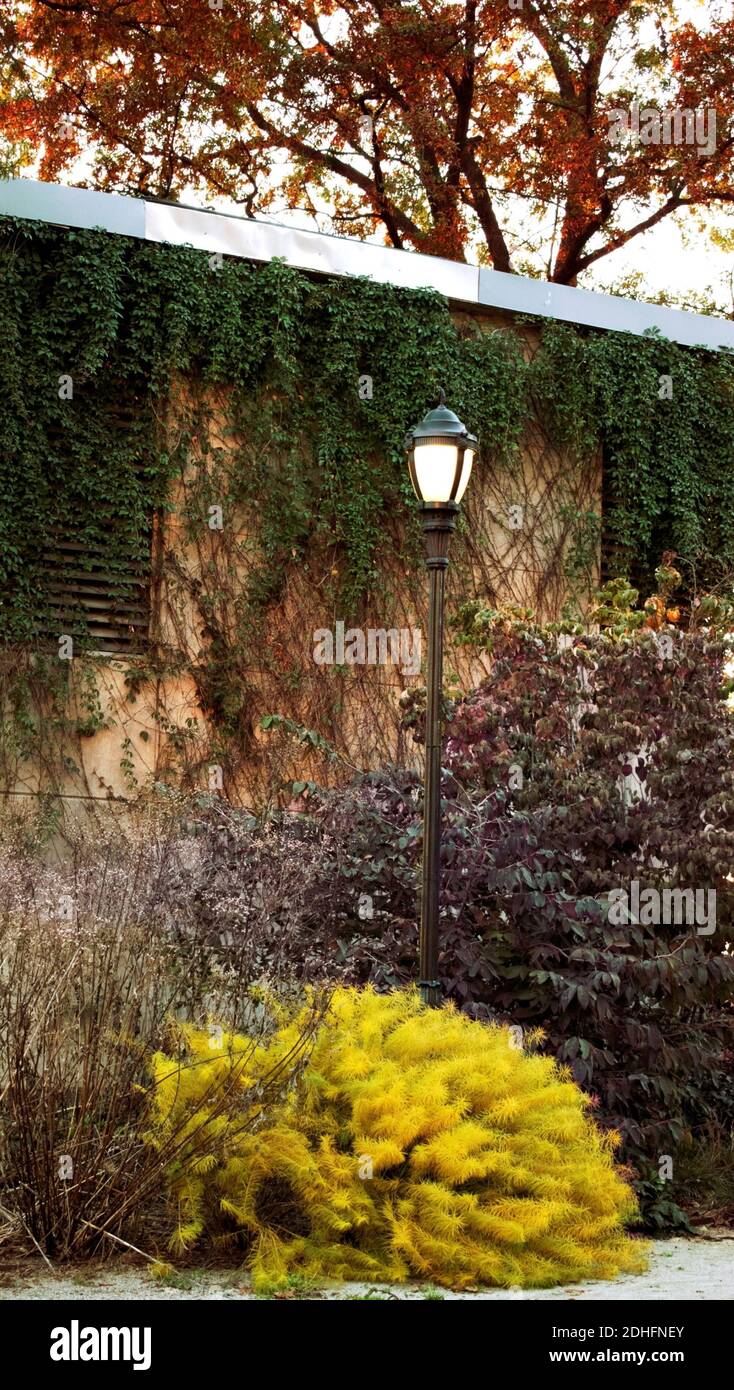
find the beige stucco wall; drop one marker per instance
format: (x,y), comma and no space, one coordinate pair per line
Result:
(161,732)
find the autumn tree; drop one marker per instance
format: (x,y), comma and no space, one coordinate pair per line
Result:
(456,127)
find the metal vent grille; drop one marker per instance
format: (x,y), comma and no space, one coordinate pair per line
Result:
(110,611)
(98,593)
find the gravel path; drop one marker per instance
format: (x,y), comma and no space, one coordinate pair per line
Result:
(680,1268)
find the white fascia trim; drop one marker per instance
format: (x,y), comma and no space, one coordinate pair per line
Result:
(252,239)
(520,295)
(72,207)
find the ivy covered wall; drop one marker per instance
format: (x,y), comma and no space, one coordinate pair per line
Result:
(135,374)
(121,319)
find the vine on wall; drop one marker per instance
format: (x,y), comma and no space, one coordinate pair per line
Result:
(283,401)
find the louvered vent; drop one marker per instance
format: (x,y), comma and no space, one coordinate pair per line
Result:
(94,592)
(110,610)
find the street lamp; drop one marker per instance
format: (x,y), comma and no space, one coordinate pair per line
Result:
(440,456)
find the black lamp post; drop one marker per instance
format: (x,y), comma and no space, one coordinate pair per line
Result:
(440,456)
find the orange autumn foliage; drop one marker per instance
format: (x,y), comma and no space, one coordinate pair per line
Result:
(416,121)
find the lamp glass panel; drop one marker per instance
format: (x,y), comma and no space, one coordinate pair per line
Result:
(435,468)
(465,473)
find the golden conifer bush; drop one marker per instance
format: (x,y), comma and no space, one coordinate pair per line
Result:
(415,1143)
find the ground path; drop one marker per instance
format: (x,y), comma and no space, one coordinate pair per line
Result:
(680,1268)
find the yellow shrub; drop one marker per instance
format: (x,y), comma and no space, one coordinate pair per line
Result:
(417,1142)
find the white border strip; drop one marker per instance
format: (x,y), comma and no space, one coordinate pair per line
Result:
(329,255)
(72,207)
(257,240)
(609,311)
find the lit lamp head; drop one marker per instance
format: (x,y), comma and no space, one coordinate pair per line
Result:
(440,456)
